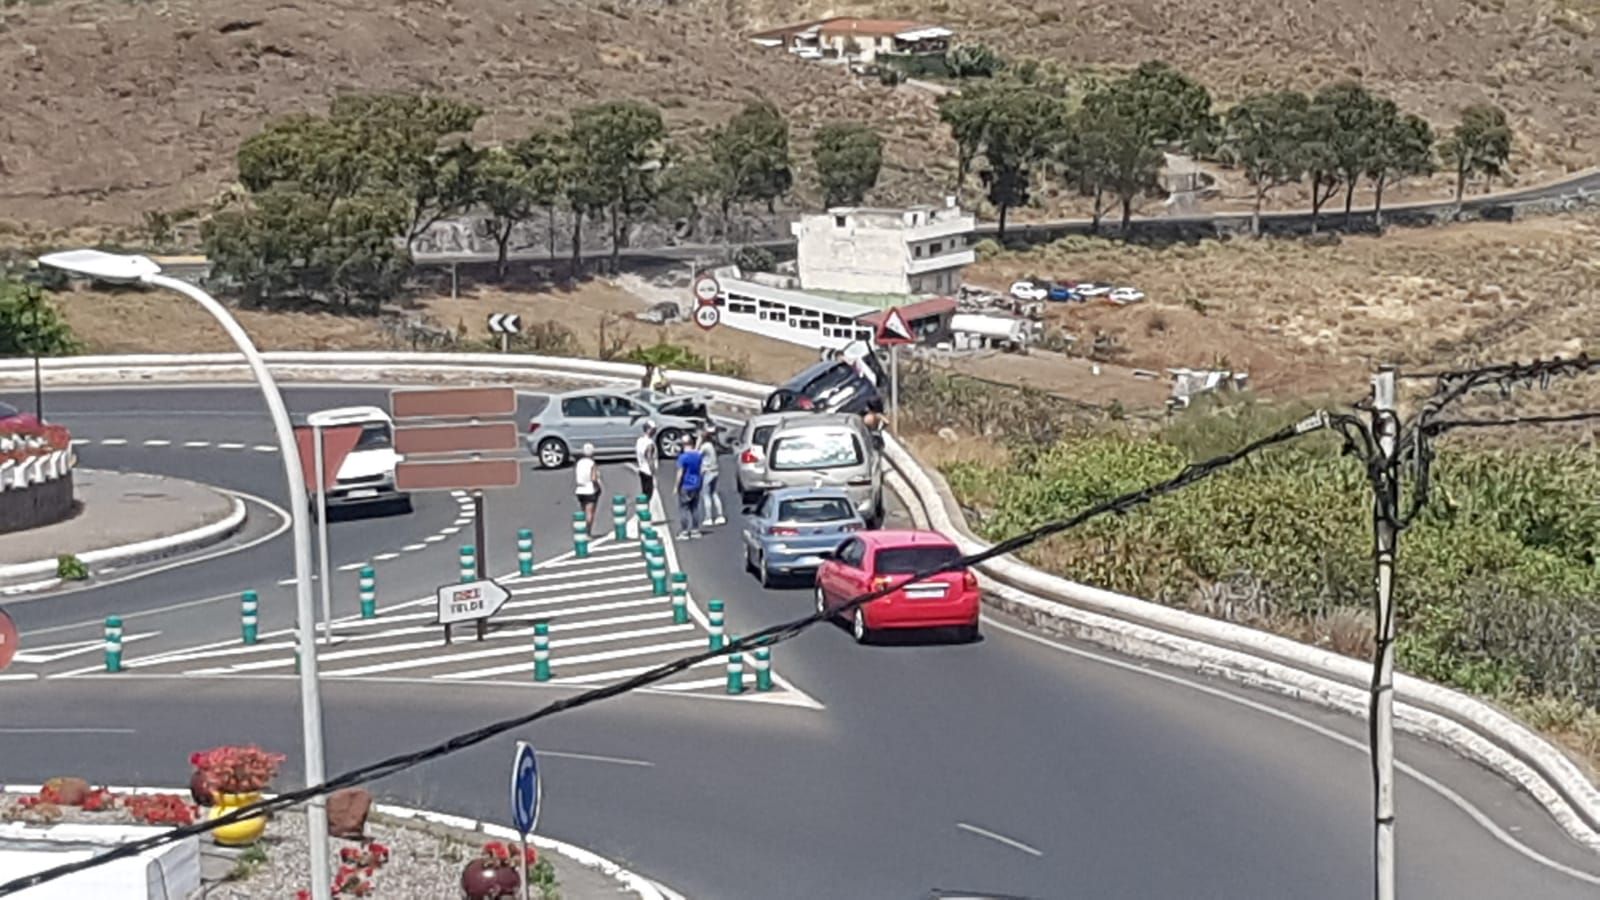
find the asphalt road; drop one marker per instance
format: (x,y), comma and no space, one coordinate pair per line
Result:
(1012,766)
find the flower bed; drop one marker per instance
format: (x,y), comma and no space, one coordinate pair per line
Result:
(36,463)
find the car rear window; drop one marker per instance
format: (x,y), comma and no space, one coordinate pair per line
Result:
(374,437)
(909,560)
(827,450)
(815,509)
(761,435)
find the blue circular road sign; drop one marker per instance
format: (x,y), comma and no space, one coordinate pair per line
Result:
(525,789)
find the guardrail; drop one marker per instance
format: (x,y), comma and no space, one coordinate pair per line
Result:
(1468,726)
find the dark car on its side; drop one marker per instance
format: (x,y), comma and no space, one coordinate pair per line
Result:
(831,385)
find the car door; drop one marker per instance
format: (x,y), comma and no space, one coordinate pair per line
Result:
(581,421)
(844,573)
(620,423)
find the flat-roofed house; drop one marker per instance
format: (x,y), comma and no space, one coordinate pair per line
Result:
(857,40)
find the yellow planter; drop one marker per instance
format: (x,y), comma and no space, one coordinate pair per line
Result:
(242,832)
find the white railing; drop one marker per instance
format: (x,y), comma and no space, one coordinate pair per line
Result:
(1469,726)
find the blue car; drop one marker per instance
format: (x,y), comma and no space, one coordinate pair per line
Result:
(1062,293)
(787,533)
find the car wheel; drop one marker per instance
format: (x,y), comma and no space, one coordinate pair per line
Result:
(875,521)
(403,505)
(670,443)
(552,453)
(764,573)
(967,634)
(858,627)
(822,603)
(749,560)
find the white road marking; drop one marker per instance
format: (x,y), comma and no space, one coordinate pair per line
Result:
(451,530)
(700,685)
(230,446)
(464,520)
(87,647)
(619,674)
(384,557)
(79,442)
(264,448)
(197,443)
(1460,802)
(157,442)
(351,567)
(113,442)
(1009,842)
(434,538)
(640,576)
(572,660)
(590,757)
(520,649)
(412,548)
(18,676)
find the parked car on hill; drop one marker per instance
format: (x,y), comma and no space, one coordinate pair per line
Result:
(1122,296)
(1028,290)
(875,560)
(1089,290)
(1062,292)
(790,531)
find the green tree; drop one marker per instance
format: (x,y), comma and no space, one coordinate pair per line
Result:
(30,323)
(848,157)
(1261,135)
(1479,144)
(689,184)
(617,148)
(546,157)
(1403,148)
(1118,153)
(1319,156)
(505,190)
(1021,126)
(966,115)
(751,153)
(406,133)
(1353,120)
(1167,106)
(973,61)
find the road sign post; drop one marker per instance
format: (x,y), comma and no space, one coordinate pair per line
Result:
(892,332)
(323,444)
(707,317)
(526,791)
(473,598)
(505,325)
(706,290)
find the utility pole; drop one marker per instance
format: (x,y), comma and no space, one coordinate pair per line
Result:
(1385,531)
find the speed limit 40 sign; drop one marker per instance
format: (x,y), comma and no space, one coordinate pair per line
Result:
(707,317)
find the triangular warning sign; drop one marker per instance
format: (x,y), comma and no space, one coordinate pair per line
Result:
(894,329)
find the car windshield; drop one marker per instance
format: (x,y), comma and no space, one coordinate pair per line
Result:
(826,450)
(761,435)
(909,560)
(374,437)
(815,509)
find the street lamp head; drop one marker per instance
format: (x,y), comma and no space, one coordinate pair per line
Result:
(122,268)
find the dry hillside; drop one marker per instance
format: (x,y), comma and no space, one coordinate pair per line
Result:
(110,108)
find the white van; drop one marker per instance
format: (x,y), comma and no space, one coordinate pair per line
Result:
(366,476)
(828,450)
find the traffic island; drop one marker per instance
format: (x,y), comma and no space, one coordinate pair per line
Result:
(403,854)
(120,519)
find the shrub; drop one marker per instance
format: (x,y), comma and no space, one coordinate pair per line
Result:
(677,356)
(755,259)
(71,568)
(30,323)
(972,61)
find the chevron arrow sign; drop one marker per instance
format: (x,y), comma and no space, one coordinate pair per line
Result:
(505,323)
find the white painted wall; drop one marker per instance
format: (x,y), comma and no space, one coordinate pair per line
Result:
(171,871)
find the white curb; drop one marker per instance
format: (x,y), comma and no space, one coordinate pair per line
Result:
(629,881)
(154,548)
(1469,727)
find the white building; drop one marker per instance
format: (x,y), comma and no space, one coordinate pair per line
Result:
(809,320)
(920,250)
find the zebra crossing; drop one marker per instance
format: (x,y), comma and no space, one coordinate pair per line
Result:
(605,623)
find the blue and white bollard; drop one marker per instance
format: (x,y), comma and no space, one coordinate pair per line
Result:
(735,670)
(714,623)
(641,509)
(469,563)
(541,652)
(367,585)
(113,643)
(247,616)
(580,535)
(525,551)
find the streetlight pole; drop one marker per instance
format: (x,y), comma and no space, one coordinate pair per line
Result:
(142,270)
(1386,507)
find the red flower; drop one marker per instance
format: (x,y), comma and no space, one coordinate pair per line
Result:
(530,856)
(302,894)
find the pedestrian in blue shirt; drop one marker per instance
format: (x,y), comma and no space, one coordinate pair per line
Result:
(690,481)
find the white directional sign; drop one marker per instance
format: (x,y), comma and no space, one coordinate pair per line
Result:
(471,600)
(706,289)
(505,323)
(707,317)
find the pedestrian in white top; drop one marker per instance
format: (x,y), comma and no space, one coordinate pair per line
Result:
(589,486)
(647,456)
(712,501)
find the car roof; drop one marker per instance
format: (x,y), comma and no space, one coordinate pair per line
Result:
(904,537)
(591,392)
(793,421)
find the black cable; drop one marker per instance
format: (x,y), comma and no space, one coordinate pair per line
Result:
(766,637)
(1442,426)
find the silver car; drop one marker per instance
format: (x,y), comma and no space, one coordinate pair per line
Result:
(751,449)
(828,450)
(611,421)
(790,529)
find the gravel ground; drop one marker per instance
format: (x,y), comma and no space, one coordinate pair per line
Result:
(425,861)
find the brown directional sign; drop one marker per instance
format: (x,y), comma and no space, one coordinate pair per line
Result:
(453,403)
(484,437)
(457,475)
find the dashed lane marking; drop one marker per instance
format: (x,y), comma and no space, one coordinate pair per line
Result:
(157,442)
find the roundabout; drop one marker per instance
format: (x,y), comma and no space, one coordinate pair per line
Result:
(1019,765)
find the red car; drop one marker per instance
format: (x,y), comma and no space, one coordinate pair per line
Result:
(878,559)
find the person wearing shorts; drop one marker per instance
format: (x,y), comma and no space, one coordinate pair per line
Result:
(589,486)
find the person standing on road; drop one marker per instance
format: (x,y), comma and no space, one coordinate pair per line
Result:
(712,501)
(589,486)
(646,455)
(690,481)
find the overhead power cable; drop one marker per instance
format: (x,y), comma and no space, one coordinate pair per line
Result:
(766,637)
